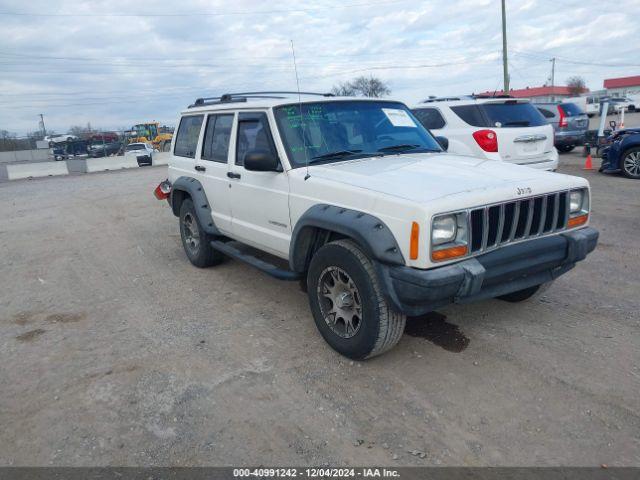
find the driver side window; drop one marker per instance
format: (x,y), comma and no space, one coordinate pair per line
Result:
(253,134)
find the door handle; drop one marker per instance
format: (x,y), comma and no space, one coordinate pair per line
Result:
(233,175)
(200,168)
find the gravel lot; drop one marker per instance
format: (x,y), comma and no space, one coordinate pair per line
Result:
(116,351)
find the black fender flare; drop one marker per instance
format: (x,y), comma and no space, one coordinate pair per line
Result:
(369,232)
(195,190)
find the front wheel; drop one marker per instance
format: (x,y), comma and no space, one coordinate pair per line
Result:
(631,163)
(195,240)
(347,303)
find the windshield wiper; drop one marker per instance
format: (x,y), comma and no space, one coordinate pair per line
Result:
(336,154)
(403,147)
(523,123)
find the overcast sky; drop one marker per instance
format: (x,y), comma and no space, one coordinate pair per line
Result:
(116,63)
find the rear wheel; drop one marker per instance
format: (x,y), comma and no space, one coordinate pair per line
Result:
(631,163)
(195,240)
(347,304)
(565,148)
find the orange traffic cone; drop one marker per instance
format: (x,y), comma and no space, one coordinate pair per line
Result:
(588,165)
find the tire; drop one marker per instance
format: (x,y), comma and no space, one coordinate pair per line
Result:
(631,163)
(340,269)
(526,293)
(195,240)
(565,148)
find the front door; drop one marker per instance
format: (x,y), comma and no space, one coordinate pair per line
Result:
(259,200)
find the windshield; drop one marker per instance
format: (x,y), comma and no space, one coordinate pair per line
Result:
(334,131)
(135,146)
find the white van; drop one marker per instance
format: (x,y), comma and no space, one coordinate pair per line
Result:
(590,104)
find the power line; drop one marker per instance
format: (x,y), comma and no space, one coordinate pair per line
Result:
(546,57)
(242,58)
(204,14)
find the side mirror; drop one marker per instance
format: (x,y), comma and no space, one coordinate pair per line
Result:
(261,161)
(613,124)
(443,142)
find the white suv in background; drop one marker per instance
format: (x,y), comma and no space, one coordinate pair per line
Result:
(507,129)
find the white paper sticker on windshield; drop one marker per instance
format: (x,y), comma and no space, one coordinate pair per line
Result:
(399,118)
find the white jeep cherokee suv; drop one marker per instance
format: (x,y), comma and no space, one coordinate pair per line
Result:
(357,201)
(507,129)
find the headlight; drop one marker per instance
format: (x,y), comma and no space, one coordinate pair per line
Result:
(444,229)
(576,198)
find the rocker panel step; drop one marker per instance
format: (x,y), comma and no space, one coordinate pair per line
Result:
(266,267)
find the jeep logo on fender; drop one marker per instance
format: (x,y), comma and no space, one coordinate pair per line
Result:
(524,191)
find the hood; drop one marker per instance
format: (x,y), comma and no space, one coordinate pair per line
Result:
(426,176)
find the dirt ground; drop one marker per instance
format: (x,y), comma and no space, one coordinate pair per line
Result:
(114,350)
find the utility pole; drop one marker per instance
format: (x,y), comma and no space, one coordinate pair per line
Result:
(44,130)
(553,71)
(505,67)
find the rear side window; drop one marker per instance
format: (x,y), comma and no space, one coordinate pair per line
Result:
(216,138)
(546,113)
(253,134)
(187,138)
(571,109)
(430,118)
(470,114)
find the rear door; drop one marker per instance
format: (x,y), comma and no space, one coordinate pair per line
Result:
(524,136)
(212,166)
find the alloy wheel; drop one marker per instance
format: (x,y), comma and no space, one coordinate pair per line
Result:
(632,163)
(340,302)
(191,233)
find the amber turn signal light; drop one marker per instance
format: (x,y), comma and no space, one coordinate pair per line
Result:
(415,241)
(448,253)
(577,221)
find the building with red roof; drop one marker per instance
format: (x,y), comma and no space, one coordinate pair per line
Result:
(539,94)
(623,86)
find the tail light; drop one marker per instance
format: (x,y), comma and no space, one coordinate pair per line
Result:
(163,190)
(487,140)
(563,118)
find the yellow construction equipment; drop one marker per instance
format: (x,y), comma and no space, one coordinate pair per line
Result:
(151,132)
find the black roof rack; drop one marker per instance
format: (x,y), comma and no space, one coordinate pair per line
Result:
(484,95)
(441,99)
(243,96)
(462,97)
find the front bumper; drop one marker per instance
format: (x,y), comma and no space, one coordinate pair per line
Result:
(505,270)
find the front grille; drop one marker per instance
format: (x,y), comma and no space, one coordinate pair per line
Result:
(496,225)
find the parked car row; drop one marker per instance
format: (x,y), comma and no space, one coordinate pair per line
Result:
(569,122)
(81,148)
(504,128)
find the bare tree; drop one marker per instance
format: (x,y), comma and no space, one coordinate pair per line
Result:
(344,89)
(364,86)
(576,85)
(371,87)
(77,130)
